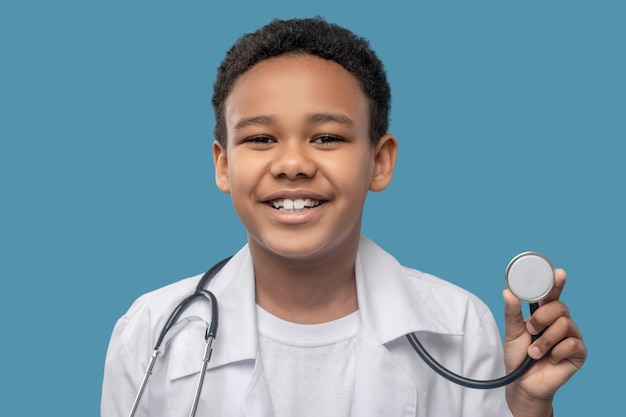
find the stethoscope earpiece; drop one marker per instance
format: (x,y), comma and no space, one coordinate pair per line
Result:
(530,276)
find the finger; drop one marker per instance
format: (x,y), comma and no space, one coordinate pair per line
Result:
(513,318)
(545,316)
(560,277)
(563,328)
(572,349)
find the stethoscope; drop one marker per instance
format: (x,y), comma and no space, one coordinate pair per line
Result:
(529,276)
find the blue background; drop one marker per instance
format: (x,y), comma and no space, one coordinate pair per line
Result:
(511,121)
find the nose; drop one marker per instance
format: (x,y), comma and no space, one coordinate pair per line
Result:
(293,161)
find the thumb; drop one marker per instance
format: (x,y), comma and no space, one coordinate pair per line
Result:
(513,318)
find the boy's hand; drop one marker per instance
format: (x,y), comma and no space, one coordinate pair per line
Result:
(559,352)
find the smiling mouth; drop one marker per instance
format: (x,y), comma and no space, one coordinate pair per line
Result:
(295,206)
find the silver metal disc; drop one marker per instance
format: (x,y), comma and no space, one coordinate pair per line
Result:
(530,276)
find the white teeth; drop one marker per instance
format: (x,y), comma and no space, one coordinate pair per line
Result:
(294,206)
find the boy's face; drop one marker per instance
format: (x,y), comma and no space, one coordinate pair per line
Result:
(299,162)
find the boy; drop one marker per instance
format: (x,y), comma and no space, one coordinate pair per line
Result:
(312,315)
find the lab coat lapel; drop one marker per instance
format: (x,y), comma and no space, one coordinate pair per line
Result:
(236,338)
(258,403)
(391,305)
(234,375)
(238,332)
(381,387)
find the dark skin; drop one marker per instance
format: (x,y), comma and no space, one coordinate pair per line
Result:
(559,352)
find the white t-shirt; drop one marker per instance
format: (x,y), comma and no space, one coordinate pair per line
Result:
(309,368)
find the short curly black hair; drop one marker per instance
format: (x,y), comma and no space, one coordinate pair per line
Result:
(313,36)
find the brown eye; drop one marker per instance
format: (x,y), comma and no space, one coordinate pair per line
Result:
(326,139)
(262,140)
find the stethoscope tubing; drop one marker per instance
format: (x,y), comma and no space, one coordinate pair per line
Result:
(526,364)
(211,334)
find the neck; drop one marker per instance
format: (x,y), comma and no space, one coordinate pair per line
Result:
(310,291)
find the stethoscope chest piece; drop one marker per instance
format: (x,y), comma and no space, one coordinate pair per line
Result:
(530,276)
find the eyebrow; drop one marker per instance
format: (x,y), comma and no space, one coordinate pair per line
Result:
(316,118)
(256,121)
(313,118)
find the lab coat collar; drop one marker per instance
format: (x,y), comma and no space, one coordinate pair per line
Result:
(236,338)
(391,304)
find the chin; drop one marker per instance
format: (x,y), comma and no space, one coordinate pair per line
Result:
(295,251)
(304,248)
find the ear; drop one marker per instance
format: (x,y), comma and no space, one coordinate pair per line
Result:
(385,155)
(220,161)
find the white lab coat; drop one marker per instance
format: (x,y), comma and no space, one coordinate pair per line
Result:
(391,380)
